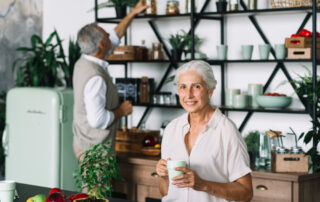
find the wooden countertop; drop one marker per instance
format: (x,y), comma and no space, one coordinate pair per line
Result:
(259,173)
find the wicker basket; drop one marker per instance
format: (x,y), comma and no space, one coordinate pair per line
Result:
(291,3)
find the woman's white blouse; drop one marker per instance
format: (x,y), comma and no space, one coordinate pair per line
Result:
(219,155)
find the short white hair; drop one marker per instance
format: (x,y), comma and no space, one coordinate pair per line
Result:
(89,37)
(203,69)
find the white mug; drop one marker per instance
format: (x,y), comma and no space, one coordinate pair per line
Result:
(7,189)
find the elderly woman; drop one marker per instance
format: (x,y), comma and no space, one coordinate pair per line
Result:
(217,159)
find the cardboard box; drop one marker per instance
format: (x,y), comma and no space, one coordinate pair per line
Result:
(301,53)
(300,42)
(297,163)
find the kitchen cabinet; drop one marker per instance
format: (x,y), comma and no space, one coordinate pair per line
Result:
(207,15)
(140,177)
(141,182)
(285,187)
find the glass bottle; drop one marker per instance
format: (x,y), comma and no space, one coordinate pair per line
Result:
(144,90)
(252,4)
(152,10)
(233,5)
(188,6)
(172,7)
(143,51)
(156,53)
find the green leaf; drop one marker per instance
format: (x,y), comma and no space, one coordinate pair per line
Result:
(308,137)
(301,136)
(25,49)
(48,41)
(35,39)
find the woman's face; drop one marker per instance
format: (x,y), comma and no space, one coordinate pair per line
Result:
(193,92)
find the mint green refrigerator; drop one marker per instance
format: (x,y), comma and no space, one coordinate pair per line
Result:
(38,137)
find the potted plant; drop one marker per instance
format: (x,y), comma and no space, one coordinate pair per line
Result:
(40,63)
(119,5)
(177,42)
(304,89)
(97,170)
(221,6)
(187,50)
(253,141)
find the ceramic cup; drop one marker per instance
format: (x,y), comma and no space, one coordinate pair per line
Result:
(171,165)
(254,90)
(280,51)
(264,51)
(222,51)
(7,188)
(246,52)
(229,94)
(240,101)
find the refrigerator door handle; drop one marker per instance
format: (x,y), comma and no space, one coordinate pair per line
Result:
(5,142)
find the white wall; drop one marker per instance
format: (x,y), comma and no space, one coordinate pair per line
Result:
(68,16)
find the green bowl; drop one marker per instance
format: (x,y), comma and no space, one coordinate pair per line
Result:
(273,102)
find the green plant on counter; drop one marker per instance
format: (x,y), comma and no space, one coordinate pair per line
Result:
(305,90)
(97,170)
(43,62)
(252,141)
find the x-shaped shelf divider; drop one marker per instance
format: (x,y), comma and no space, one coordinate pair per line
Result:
(173,64)
(279,65)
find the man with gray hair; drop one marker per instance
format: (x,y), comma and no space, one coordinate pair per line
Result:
(96,102)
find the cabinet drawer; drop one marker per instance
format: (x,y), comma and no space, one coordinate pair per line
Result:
(140,174)
(267,190)
(147,192)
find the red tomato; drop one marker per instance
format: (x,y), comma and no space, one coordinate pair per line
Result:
(274,94)
(55,190)
(282,95)
(266,94)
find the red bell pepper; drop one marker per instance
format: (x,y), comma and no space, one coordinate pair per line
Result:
(305,33)
(55,190)
(78,196)
(295,35)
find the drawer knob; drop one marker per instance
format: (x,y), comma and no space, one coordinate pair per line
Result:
(262,187)
(154,174)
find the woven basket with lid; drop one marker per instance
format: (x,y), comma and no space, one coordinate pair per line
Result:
(291,3)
